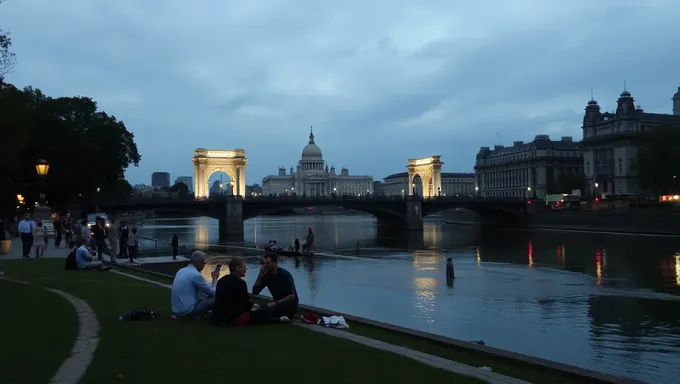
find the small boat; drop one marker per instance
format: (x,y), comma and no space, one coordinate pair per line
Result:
(283,252)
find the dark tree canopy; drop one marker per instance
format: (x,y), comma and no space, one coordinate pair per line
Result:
(659,160)
(88,150)
(181,189)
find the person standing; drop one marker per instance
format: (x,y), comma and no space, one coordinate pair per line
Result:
(123,233)
(58,228)
(38,238)
(100,235)
(132,245)
(26,233)
(114,239)
(175,246)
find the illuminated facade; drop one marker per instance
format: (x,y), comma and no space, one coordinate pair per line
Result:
(452,184)
(313,178)
(232,162)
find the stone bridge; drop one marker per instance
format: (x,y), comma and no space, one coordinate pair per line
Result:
(406,212)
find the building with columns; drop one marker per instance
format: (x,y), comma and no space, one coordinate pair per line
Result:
(526,169)
(611,141)
(452,184)
(312,177)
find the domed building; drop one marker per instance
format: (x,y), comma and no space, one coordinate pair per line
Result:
(312,177)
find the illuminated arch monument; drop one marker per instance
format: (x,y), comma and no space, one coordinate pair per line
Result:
(232,162)
(430,171)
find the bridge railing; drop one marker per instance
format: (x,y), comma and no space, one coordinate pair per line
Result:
(340,198)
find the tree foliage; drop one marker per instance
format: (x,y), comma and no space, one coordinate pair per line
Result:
(658,164)
(7,57)
(566,183)
(87,149)
(181,189)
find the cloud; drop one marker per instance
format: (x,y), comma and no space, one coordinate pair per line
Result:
(381,82)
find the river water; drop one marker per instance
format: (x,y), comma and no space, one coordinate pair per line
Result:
(610,303)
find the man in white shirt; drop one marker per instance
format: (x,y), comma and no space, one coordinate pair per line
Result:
(26,233)
(84,258)
(185,298)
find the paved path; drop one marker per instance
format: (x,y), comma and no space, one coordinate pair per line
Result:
(60,253)
(75,366)
(431,360)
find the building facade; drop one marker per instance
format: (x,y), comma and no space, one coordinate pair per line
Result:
(312,177)
(527,169)
(160,179)
(187,180)
(611,142)
(452,184)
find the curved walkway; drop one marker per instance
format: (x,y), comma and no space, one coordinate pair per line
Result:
(74,367)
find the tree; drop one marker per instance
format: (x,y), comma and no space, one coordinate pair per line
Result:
(87,149)
(181,189)
(7,58)
(659,158)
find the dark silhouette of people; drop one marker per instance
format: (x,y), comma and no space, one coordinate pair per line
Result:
(175,246)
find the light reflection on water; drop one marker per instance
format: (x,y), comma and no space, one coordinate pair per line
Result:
(611,305)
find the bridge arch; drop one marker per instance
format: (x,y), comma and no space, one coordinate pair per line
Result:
(206,162)
(251,211)
(429,169)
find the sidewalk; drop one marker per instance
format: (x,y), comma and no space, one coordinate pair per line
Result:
(51,252)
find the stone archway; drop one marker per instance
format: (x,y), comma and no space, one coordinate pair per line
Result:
(430,171)
(206,162)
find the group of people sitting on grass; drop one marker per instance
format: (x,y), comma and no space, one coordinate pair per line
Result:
(228,298)
(83,257)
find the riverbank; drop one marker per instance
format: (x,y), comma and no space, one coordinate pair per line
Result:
(169,342)
(613,222)
(508,363)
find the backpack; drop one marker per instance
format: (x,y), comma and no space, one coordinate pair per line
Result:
(71,261)
(138,314)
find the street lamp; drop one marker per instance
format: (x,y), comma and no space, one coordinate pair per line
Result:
(413,187)
(529,192)
(42,168)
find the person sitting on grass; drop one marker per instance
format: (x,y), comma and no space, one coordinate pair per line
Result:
(188,286)
(84,257)
(232,301)
(282,287)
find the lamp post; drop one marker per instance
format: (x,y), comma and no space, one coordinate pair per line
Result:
(42,168)
(476,191)
(413,187)
(595,191)
(529,192)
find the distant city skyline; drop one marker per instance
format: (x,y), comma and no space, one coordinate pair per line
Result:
(380,82)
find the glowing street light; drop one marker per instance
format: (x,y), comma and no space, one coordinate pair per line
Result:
(42,167)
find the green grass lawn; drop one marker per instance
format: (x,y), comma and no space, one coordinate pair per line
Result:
(528,373)
(37,331)
(191,351)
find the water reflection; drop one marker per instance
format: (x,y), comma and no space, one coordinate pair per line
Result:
(609,306)
(202,234)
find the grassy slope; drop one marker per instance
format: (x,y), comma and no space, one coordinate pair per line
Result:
(529,373)
(37,331)
(196,351)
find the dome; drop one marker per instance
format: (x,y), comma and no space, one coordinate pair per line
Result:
(311,149)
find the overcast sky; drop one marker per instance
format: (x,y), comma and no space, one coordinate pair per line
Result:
(380,81)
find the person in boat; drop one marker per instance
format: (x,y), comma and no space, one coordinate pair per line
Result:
(275,247)
(309,241)
(296,245)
